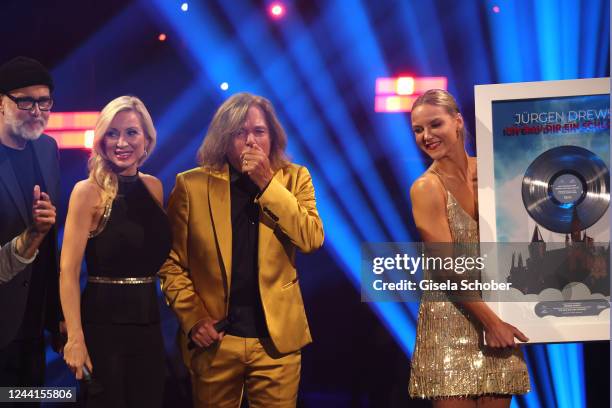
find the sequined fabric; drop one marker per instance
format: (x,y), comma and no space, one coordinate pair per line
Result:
(450,358)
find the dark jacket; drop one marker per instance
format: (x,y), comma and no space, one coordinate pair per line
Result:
(15,294)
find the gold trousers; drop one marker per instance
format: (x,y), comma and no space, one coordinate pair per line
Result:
(221,373)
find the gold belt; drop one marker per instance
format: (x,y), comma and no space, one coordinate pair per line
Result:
(121,281)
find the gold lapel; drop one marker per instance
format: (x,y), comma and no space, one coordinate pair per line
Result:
(266,226)
(220,208)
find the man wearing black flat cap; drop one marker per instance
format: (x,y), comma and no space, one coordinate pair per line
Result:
(29,184)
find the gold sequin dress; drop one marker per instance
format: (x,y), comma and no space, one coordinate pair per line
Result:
(450,358)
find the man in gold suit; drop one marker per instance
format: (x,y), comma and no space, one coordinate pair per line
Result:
(237,221)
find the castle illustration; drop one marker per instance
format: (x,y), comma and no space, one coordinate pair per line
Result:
(579,260)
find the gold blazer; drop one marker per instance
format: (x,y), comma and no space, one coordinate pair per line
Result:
(196,276)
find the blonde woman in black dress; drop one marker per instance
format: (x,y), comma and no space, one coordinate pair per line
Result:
(115,219)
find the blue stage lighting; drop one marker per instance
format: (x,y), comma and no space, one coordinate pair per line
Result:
(310,65)
(363,65)
(505,30)
(549,39)
(567,368)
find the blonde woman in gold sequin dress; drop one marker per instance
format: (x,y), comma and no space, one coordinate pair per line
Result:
(451,365)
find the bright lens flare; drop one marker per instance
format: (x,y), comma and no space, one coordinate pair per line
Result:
(277,10)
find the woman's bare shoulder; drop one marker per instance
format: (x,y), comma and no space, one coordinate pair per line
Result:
(86,198)
(86,190)
(427,187)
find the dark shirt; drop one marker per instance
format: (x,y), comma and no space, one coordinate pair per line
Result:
(245,308)
(26,168)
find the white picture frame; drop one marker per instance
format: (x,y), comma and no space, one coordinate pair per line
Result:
(548,329)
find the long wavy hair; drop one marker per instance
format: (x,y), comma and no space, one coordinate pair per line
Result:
(101,170)
(228,119)
(442,98)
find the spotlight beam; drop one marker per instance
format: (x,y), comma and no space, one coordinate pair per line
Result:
(254,32)
(507,53)
(549,40)
(311,66)
(364,64)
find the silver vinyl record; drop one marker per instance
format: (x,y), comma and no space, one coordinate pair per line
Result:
(566,189)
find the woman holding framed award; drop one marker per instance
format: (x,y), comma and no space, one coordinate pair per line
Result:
(451,363)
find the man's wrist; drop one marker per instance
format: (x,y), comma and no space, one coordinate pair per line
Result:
(33,233)
(21,243)
(27,242)
(265,183)
(20,251)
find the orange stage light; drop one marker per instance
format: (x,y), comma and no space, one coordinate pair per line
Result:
(72,130)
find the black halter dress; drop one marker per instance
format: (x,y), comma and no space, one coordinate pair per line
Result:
(120,308)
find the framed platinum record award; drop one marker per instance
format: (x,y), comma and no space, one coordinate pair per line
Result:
(543,198)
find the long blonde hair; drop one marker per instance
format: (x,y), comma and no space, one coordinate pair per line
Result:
(228,119)
(100,167)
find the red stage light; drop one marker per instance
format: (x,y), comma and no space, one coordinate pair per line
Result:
(496,9)
(397,94)
(162,37)
(72,130)
(277,10)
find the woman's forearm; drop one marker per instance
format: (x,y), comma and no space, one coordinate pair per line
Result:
(70,296)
